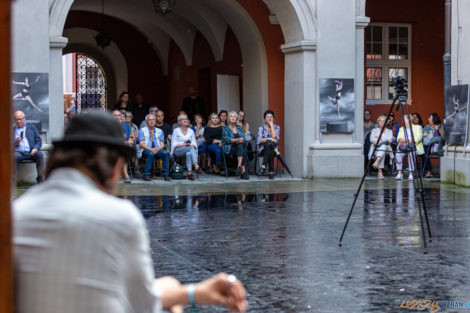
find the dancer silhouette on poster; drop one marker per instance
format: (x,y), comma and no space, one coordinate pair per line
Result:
(24,93)
(457,107)
(335,101)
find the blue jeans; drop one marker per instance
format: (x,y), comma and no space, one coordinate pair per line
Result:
(190,153)
(150,156)
(38,158)
(217,150)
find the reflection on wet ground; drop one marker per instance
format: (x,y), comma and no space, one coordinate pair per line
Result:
(284,246)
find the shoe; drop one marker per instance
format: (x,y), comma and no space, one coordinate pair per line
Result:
(190,177)
(245,176)
(380,176)
(138,174)
(215,169)
(271,176)
(399,176)
(199,171)
(39,179)
(239,171)
(410,177)
(166,177)
(126,180)
(375,165)
(262,170)
(147,177)
(428,175)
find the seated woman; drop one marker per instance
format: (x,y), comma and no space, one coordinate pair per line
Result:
(434,130)
(268,139)
(198,129)
(183,143)
(213,136)
(223,118)
(234,144)
(407,147)
(383,146)
(244,124)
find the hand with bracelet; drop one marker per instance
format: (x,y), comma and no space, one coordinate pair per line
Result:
(221,289)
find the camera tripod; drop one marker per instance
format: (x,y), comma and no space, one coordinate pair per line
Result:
(400,101)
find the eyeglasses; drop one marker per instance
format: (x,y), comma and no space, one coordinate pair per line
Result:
(20,118)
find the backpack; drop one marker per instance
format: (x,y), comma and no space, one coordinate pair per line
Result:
(177,171)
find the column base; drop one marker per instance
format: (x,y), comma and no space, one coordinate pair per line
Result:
(455,171)
(336,160)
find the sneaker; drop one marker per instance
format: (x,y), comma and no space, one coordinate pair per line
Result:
(147,177)
(190,177)
(380,176)
(375,165)
(126,180)
(166,177)
(410,177)
(399,176)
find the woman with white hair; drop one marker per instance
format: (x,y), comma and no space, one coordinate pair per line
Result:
(383,146)
(183,144)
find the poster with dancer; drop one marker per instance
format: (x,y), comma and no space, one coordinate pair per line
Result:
(456,113)
(30,94)
(337,105)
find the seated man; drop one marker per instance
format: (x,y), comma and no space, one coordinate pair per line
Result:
(152,110)
(159,123)
(27,144)
(151,141)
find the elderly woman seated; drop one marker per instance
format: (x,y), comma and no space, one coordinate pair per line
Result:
(383,145)
(233,139)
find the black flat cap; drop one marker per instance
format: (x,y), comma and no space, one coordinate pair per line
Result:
(96,127)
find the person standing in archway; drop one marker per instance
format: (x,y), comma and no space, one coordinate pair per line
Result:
(193,104)
(123,103)
(140,110)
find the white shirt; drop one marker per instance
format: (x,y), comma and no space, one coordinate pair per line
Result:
(178,138)
(24,144)
(80,250)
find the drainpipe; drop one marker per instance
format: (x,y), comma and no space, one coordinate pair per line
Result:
(447,54)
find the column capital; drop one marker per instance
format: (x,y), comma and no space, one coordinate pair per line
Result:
(58,42)
(299,46)
(362,22)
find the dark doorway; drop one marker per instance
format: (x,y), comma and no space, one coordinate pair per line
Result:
(205,89)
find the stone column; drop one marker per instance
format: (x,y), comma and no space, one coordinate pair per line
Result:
(300,108)
(56,93)
(455,164)
(340,54)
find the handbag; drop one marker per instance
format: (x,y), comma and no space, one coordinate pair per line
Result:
(177,171)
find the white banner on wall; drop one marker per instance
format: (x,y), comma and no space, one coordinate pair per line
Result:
(228,93)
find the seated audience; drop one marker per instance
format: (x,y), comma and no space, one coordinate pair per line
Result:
(123,103)
(244,124)
(161,124)
(268,140)
(27,144)
(152,110)
(151,141)
(223,118)
(183,144)
(407,147)
(139,109)
(394,127)
(80,249)
(213,136)
(234,144)
(369,125)
(134,135)
(434,130)
(120,117)
(176,124)
(198,129)
(417,120)
(383,146)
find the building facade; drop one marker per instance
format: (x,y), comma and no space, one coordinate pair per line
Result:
(280,51)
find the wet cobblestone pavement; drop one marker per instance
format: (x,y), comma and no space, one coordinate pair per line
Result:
(284,246)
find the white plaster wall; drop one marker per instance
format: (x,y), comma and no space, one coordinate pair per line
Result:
(30,39)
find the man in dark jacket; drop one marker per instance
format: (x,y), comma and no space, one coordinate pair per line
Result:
(193,104)
(27,144)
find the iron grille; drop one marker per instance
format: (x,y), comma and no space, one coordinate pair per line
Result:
(90,84)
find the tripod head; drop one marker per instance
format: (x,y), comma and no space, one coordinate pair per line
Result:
(400,85)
